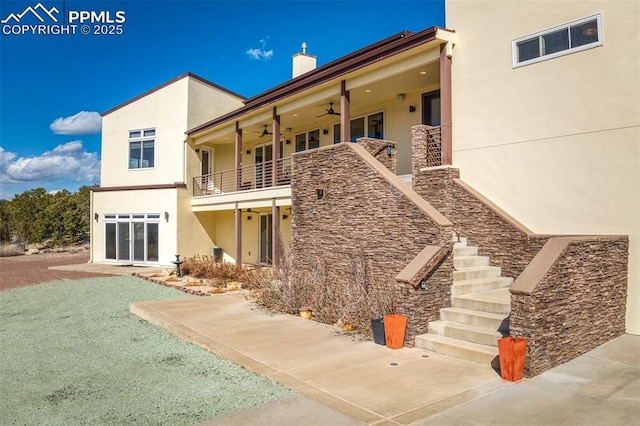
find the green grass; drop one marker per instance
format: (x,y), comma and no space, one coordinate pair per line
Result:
(71,353)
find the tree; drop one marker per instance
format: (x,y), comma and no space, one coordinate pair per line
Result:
(26,214)
(5,217)
(36,216)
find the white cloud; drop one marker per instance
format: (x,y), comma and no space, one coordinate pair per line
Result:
(83,123)
(69,162)
(261,52)
(5,160)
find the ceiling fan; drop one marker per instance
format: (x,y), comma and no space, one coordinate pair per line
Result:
(265,132)
(330,111)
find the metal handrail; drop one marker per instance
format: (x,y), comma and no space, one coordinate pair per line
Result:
(254,176)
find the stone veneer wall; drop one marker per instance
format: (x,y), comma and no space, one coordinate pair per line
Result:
(365,213)
(509,244)
(578,304)
(377,148)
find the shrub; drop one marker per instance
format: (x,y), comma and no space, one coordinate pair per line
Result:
(7,250)
(352,301)
(206,267)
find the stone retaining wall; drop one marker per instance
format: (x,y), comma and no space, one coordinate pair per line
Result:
(508,243)
(578,304)
(348,208)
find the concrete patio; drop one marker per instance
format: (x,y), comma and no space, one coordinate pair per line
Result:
(344,380)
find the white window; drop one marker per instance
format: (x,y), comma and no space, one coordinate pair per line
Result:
(558,41)
(307,140)
(142,148)
(371,126)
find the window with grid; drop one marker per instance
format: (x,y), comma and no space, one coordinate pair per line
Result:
(142,148)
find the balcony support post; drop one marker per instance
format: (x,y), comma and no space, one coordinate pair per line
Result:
(275,231)
(345,113)
(445,104)
(275,148)
(238,151)
(238,213)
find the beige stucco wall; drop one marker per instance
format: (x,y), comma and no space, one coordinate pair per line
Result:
(137,202)
(554,143)
(166,111)
(171,110)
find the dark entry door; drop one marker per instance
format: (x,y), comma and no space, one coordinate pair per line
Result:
(431,108)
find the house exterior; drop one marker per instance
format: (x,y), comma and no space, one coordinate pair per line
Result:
(553,139)
(141,211)
(518,127)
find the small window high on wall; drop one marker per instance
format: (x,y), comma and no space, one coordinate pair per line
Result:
(558,41)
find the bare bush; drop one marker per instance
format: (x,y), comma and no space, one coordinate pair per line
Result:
(206,267)
(350,301)
(7,250)
(273,289)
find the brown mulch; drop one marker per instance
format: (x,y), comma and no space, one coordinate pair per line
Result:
(21,271)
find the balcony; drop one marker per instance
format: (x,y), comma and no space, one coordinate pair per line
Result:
(252,177)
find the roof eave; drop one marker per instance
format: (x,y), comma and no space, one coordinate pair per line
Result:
(373,53)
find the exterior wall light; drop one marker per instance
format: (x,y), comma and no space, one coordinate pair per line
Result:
(166,216)
(389,150)
(96,216)
(320,193)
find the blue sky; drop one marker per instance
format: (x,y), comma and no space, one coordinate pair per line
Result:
(54,86)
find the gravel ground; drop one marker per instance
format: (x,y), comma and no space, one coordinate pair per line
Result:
(71,353)
(20,271)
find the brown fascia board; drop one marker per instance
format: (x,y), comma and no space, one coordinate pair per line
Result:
(173,80)
(373,53)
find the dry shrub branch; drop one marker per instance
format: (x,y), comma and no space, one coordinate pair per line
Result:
(353,300)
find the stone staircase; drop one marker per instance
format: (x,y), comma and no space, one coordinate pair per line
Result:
(478,316)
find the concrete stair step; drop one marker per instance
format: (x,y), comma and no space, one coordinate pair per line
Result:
(457,348)
(494,301)
(482,284)
(465,251)
(476,273)
(466,332)
(498,322)
(407,179)
(463,262)
(461,243)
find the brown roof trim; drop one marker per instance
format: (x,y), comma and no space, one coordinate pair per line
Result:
(173,80)
(361,58)
(140,187)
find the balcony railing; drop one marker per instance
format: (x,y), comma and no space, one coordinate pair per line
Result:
(434,147)
(254,176)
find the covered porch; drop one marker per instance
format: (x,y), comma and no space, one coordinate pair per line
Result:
(379,92)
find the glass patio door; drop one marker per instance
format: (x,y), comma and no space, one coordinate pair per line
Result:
(266,236)
(264,166)
(131,238)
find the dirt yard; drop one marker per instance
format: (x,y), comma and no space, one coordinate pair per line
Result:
(20,271)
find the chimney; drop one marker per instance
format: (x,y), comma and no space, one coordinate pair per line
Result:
(303,62)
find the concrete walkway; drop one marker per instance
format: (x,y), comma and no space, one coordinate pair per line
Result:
(345,381)
(110,268)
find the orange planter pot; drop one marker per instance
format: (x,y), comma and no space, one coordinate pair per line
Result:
(395,326)
(512,351)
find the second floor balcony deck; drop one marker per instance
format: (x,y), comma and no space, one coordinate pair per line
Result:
(267,174)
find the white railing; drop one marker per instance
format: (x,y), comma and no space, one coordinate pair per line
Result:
(255,176)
